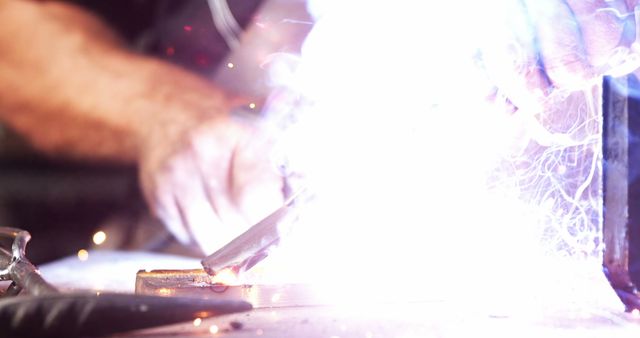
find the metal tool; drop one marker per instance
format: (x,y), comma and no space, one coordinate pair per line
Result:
(252,246)
(31,307)
(19,270)
(620,211)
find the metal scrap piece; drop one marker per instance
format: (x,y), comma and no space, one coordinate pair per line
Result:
(44,312)
(196,284)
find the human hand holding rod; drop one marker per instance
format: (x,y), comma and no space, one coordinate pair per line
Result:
(249,248)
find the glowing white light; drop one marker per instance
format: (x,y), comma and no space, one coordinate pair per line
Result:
(225,276)
(252,106)
(99,237)
(83,255)
(635,313)
(165,292)
(422,181)
(213,329)
(230,65)
(197,322)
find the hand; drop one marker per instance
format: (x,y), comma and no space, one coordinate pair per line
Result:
(209,181)
(542,45)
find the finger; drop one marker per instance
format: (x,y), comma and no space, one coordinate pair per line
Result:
(163,205)
(171,218)
(197,213)
(231,224)
(213,148)
(601,26)
(256,185)
(203,221)
(510,57)
(560,43)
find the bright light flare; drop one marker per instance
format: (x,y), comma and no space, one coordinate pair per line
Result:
(99,237)
(165,292)
(225,276)
(424,185)
(213,329)
(197,322)
(83,255)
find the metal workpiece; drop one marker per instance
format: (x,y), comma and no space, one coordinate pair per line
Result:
(161,282)
(197,284)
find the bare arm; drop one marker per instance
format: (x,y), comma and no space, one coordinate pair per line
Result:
(72,89)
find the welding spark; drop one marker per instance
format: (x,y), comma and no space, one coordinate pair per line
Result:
(197,322)
(165,292)
(213,329)
(226,276)
(83,255)
(99,237)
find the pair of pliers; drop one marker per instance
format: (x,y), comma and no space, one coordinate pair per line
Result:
(31,307)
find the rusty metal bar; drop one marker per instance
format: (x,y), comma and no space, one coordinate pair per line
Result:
(616,189)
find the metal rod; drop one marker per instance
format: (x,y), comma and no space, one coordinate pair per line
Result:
(244,251)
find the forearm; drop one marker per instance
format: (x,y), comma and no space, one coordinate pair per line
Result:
(71,89)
